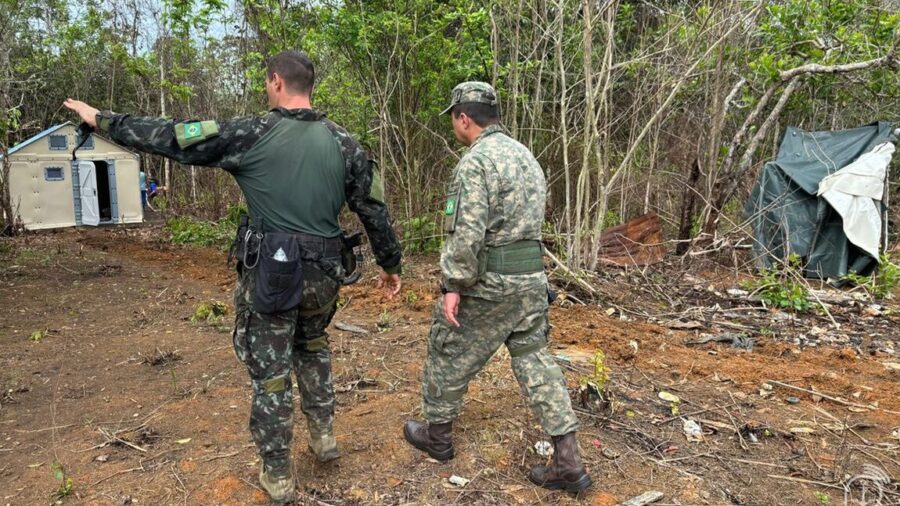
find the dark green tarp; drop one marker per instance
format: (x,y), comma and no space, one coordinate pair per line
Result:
(787,217)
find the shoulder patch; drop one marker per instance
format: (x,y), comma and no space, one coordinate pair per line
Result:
(188,134)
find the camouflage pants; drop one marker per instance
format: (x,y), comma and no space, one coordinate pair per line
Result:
(455,355)
(271,346)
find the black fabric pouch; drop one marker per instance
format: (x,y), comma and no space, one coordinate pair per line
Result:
(279,274)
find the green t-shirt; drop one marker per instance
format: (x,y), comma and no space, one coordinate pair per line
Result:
(293,179)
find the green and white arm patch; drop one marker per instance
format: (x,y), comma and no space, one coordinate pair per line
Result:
(188,134)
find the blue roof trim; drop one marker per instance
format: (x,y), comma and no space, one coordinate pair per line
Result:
(32,140)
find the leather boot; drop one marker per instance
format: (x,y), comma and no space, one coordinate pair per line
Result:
(434,439)
(279,485)
(323,444)
(566,471)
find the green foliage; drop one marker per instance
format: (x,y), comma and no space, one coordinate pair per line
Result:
(782,286)
(66,485)
(420,235)
(823,498)
(385,321)
(611,219)
(187,230)
(600,376)
(210,312)
(882,283)
(37,336)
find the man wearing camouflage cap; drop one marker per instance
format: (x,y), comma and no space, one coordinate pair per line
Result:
(494,290)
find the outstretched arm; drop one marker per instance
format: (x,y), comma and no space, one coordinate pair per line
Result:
(210,143)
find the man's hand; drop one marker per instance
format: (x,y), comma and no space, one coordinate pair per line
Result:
(390,283)
(87,113)
(451,307)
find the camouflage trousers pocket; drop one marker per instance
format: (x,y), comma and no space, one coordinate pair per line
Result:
(445,340)
(239,336)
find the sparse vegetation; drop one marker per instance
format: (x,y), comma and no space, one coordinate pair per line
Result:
(783,286)
(882,283)
(66,484)
(421,235)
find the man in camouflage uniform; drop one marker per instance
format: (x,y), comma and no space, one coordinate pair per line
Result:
(493,281)
(296,169)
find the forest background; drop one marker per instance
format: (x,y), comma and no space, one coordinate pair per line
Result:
(630,106)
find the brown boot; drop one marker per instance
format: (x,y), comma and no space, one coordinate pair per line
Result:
(566,472)
(433,439)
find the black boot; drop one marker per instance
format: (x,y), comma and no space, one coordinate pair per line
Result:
(433,439)
(566,471)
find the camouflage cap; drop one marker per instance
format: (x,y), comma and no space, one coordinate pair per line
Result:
(472,91)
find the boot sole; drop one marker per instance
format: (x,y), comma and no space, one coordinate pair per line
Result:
(581,484)
(442,456)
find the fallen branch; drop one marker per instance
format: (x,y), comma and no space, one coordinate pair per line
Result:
(643,499)
(220,456)
(801,480)
(820,394)
(815,68)
(117,473)
(584,284)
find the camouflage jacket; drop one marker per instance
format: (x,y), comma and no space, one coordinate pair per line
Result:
(497,197)
(225,143)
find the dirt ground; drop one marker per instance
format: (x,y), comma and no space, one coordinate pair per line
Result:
(108,383)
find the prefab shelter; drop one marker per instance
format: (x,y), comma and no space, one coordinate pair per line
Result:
(49,189)
(821,199)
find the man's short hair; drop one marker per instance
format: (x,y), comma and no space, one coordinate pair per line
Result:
(295,68)
(482,114)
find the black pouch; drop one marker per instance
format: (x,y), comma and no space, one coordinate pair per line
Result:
(238,246)
(349,259)
(279,274)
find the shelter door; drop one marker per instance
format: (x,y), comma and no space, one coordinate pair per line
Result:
(90,205)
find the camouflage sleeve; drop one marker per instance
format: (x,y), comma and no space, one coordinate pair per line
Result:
(365,197)
(210,143)
(467,213)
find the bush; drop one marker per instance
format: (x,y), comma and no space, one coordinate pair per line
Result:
(882,283)
(782,286)
(420,235)
(187,230)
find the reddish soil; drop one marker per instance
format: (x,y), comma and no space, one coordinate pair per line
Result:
(84,314)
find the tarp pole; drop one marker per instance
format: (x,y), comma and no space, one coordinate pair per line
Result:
(887,197)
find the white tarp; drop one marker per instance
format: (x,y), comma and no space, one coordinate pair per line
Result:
(855,192)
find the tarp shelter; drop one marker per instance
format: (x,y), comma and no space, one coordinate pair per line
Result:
(50,190)
(821,199)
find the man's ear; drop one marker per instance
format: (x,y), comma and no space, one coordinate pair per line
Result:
(277,81)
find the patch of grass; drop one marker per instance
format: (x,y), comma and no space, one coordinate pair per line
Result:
(7,249)
(37,336)
(410,297)
(385,321)
(33,258)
